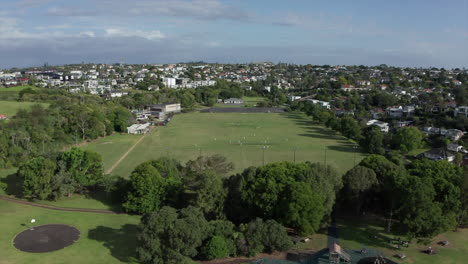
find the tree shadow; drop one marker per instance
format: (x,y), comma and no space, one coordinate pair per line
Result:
(108,199)
(13,185)
(365,235)
(122,242)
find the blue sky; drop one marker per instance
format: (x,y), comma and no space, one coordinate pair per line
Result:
(397,32)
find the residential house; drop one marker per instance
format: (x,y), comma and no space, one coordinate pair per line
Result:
(320,103)
(439,154)
(454,147)
(384,127)
(461,110)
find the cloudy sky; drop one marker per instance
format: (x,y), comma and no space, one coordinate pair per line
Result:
(369,32)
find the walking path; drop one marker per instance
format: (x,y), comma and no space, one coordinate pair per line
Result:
(126,154)
(51,207)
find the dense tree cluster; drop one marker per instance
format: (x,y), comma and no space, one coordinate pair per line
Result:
(169,235)
(72,171)
(426,197)
(40,131)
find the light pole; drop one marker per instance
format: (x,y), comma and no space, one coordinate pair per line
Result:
(325,158)
(263,148)
(355,148)
(295,149)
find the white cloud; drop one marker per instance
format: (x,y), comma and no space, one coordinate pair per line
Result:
(199,9)
(119,32)
(89,34)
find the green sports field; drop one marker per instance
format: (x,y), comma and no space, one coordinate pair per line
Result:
(9,108)
(246,139)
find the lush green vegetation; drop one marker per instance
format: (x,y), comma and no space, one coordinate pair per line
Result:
(10,108)
(45,131)
(238,137)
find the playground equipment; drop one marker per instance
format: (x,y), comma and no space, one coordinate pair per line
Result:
(337,255)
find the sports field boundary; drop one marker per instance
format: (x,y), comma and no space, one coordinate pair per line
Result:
(56,208)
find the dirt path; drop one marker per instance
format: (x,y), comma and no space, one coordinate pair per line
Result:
(109,171)
(51,207)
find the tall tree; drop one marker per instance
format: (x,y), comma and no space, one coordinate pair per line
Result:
(37,176)
(171,236)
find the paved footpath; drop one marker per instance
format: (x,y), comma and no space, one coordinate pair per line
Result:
(51,207)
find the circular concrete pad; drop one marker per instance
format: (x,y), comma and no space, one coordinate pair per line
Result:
(46,238)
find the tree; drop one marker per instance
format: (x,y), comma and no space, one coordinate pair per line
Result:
(217,247)
(372,140)
(148,190)
(262,236)
(301,208)
(280,191)
(350,128)
(85,166)
(358,181)
(432,198)
(217,163)
(205,190)
(37,176)
(121,119)
(407,139)
(171,236)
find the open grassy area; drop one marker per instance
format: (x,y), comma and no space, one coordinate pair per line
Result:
(252,101)
(9,108)
(17,88)
(104,238)
(112,147)
(239,137)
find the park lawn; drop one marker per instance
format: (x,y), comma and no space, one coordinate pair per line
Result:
(9,108)
(105,238)
(356,234)
(316,242)
(251,101)
(112,147)
(240,137)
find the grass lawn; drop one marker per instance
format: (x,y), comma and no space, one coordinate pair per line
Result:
(104,238)
(9,108)
(358,234)
(112,147)
(17,88)
(239,137)
(251,101)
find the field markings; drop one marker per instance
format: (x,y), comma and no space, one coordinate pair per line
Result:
(126,154)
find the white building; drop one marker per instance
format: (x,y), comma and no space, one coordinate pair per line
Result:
(138,129)
(321,103)
(294,98)
(462,110)
(384,127)
(233,101)
(169,82)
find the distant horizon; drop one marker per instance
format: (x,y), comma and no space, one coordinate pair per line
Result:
(232,63)
(414,33)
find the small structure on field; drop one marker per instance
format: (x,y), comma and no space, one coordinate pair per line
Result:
(337,255)
(137,129)
(233,101)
